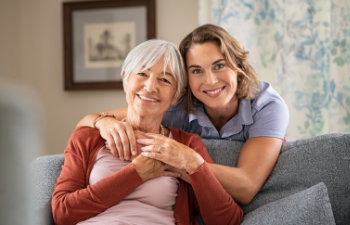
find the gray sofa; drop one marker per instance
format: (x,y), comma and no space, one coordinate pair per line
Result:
(310,183)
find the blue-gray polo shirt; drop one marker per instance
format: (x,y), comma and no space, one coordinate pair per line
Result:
(264,116)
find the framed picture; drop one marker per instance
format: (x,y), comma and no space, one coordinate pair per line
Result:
(97,37)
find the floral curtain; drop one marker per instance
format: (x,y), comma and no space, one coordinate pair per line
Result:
(301,47)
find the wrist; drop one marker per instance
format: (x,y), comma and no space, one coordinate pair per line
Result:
(100,117)
(193,165)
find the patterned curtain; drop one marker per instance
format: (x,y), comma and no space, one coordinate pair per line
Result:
(301,47)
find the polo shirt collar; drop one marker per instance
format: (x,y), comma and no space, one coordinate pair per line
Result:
(233,126)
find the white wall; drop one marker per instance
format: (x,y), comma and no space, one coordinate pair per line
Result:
(31,48)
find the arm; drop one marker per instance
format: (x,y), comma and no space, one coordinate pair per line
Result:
(89,119)
(119,135)
(216,206)
(73,199)
(187,152)
(255,163)
(260,152)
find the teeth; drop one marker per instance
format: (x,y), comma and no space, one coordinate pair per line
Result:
(147,99)
(214,92)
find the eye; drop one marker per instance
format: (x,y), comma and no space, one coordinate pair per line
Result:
(196,71)
(142,74)
(219,66)
(165,80)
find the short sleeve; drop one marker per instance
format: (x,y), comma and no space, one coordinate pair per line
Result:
(176,117)
(270,121)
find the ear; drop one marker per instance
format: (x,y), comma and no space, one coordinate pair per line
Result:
(123,76)
(175,100)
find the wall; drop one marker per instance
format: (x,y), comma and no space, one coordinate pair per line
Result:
(31,53)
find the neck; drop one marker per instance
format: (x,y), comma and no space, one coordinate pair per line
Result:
(147,124)
(220,116)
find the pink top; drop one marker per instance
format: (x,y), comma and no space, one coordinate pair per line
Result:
(150,203)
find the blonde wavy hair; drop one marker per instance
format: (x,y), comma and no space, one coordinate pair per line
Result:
(234,53)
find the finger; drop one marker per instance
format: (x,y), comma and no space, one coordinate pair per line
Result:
(155,136)
(118,145)
(149,148)
(145,141)
(112,146)
(171,174)
(124,143)
(131,139)
(149,154)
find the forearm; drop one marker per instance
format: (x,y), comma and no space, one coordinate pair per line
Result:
(88,120)
(257,158)
(235,182)
(215,204)
(72,203)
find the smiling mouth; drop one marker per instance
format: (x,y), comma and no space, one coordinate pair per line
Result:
(215,92)
(146,98)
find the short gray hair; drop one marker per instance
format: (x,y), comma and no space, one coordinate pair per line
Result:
(148,53)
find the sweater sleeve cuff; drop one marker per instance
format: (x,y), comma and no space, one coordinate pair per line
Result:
(203,169)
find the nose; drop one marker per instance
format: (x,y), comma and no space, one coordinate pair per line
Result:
(211,78)
(150,84)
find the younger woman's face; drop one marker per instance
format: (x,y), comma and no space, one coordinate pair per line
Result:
(211,80)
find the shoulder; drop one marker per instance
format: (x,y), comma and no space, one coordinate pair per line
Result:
(86,137)
(186,138)
(267,95)
(176,117)
(182,135)
(270,113)
(85,133)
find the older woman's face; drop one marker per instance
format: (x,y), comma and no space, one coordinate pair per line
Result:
(151,91)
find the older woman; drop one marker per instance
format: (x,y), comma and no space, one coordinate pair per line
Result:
(95,187)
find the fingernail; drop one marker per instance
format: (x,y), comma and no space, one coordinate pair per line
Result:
(133,152)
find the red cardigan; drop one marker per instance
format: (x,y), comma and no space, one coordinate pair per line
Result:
(74,200)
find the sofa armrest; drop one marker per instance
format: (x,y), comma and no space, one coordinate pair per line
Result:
(45,170)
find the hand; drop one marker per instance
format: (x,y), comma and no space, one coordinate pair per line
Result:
(148,168)
(171,152)
(183,175)
(119,136)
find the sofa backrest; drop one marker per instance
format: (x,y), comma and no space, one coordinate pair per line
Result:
(301,164)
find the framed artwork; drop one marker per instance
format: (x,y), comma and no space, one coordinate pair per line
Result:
(97,37)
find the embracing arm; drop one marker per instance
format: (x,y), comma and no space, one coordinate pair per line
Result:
(89,119)
(255,163)
(119,135)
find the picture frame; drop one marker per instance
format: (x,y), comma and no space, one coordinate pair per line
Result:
(97,37)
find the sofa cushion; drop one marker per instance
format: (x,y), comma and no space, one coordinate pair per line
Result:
(301,164)
(310,206)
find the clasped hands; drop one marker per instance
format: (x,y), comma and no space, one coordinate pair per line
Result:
(153,155)
(167,156)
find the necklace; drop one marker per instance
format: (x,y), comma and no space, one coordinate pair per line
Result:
(161,129)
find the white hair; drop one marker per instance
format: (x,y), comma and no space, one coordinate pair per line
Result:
(148,53)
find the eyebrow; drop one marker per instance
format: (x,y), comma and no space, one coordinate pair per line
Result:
(197,66)
(164,73)
(167,73)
